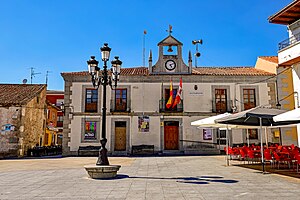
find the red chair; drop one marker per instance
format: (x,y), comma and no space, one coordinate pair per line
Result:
(292,146)
(268,157)
(298,162)
(251,156)
(282,159)
(243,155)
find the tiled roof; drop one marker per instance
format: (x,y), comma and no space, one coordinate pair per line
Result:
(230,71)
(18,94)
(209,71)
(273,59)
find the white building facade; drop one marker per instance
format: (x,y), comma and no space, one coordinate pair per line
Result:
(137,113)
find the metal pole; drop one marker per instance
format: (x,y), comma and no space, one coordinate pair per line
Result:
(102,159)
(248,141)
(227,146)
(261,145)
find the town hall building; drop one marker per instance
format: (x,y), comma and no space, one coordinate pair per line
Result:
(140,111)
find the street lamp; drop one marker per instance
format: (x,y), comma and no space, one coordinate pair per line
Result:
(104,79)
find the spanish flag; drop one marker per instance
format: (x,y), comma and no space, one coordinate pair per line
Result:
(170,101)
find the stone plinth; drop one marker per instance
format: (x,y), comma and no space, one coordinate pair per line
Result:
(102,171)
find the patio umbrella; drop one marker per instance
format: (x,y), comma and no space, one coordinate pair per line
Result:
(210,121)
(257,116)
(292,116)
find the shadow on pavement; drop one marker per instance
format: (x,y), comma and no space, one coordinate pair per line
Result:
(190,180)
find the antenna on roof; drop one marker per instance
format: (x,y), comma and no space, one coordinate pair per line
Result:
(47,74)
(32,74)
(24,81)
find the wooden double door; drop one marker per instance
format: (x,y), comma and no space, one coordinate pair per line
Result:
(171,135)
(120,136)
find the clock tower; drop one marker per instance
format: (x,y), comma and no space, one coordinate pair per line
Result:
(170,58)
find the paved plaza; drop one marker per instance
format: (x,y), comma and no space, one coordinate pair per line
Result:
(180,177)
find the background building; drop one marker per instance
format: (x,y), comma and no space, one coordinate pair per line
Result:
(138,112)
(22,118)
(56,98)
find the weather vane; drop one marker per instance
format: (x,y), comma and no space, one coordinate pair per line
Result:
(170,29)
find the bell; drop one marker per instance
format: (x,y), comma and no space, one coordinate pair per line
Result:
(170,49)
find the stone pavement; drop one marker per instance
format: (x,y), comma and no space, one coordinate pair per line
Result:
(181,177)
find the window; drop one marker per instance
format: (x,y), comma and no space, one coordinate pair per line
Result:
(60,118)
(167,96)
(91,100)
(221,100)
(249,98)
(121,100)
(90,131)
(221,137)
(253,134)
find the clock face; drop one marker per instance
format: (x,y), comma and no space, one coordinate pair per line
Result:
(170,65)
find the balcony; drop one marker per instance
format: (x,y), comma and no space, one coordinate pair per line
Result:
(177,109)
(292,40)
(120,107)
(221,107)
(289,50)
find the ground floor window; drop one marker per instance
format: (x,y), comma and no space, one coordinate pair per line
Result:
(221,137)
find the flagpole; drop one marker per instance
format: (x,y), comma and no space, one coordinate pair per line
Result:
(144,37)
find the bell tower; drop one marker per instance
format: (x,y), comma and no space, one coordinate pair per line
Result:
(170,57)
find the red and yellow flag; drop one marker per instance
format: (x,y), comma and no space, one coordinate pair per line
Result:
(178,95)
(170,101)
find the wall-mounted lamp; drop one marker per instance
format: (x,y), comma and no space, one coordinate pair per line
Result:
(63,107)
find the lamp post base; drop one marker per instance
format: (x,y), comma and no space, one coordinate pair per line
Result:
(102,171)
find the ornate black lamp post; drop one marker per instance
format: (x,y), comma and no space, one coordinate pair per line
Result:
(104,79)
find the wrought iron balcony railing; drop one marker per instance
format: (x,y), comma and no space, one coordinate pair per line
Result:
(289,41)
(163,108)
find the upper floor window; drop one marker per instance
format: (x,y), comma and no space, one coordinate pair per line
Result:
(121,100)
(249,99)
(221,100)
(91,100)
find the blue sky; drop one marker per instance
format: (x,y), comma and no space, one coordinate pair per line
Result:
(60,35)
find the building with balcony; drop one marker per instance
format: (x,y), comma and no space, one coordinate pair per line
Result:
(288,69)
(138,111)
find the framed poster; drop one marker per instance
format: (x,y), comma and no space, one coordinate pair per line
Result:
(207,134)
(90,131)
(143,124)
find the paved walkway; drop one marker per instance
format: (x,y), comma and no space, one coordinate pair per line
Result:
(182,177)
